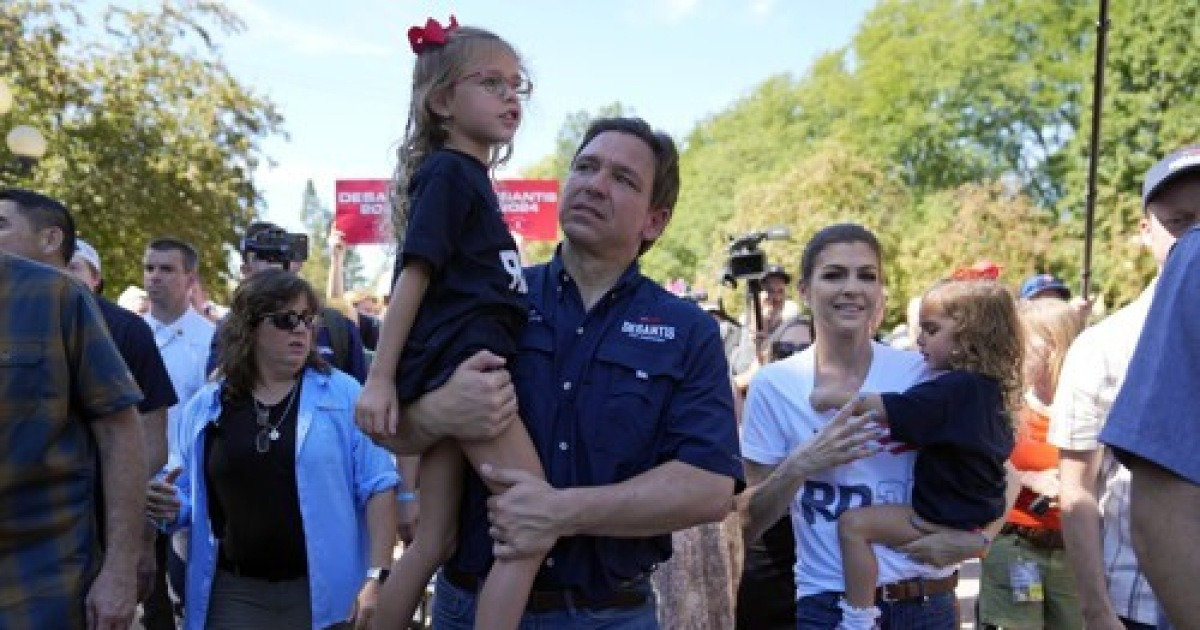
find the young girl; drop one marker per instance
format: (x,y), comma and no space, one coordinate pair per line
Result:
(459,290)
(969,331)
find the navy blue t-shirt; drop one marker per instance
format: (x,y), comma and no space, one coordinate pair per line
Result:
(135,341)
(965,435)
(455,227)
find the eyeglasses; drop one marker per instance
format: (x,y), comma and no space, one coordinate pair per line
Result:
(784,349)
(287,321)
(500,87)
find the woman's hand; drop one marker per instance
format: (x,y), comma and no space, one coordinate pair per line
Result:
(377,411)
(162,498)
(844,439)
(364,605)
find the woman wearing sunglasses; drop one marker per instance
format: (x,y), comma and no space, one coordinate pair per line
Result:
(288,503)
(765,597)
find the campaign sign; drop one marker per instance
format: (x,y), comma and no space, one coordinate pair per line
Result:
(363,211)
(530,207)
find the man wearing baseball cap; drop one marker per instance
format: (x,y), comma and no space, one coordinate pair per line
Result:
(1153,426)
(85,265)
(1044,285)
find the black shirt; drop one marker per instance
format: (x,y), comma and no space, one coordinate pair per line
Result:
(368,327)
(253,499)
(455,226)
(959,421)
(135,341)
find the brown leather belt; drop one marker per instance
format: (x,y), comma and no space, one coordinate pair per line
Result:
(562,599)
(916,588)
(1039,537)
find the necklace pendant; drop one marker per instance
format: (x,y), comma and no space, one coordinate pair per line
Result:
(274,435)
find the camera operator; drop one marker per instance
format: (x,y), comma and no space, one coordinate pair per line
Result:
(776,309)
(268,246)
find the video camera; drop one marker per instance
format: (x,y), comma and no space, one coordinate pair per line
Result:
(746,260)
(276,245)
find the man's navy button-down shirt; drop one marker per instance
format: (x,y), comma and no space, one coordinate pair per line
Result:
(608,394)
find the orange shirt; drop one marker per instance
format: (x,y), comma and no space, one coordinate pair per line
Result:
(1033,453)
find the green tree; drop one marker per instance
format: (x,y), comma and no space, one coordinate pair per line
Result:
(315,217)
(318,219)
(149,133)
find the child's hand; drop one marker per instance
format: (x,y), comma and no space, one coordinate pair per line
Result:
(377,412)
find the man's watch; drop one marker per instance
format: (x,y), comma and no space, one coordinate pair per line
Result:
(379,574)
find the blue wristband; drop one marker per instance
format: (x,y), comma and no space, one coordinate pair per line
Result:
(406,496)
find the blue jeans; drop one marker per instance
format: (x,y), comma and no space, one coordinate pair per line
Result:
(937,612)
(454,609)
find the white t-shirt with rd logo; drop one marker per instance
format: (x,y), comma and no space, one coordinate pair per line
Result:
(779,418)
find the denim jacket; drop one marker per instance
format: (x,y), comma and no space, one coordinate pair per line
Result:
(338,469)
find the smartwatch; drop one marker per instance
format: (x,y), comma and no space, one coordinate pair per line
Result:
(379,574)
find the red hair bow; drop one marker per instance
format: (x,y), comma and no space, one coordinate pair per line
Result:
(982,270)
(433,34)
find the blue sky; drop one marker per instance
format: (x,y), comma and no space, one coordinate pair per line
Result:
(340,71)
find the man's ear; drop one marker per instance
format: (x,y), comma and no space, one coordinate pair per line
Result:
(1144,231)
(50,241)
(656,223)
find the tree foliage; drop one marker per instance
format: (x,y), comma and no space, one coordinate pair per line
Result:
(968,122)
(149,133)
(318,221)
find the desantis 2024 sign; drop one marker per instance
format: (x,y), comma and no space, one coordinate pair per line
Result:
(529,206)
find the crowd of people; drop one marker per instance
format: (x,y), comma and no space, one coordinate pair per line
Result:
(535,436)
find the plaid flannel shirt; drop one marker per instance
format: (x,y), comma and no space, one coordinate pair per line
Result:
(59,370)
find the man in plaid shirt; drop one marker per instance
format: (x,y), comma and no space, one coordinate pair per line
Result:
(67,424)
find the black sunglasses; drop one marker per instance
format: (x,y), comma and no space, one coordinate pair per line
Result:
(288,320)
(785,349)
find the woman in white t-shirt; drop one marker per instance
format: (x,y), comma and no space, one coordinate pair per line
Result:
(817,465)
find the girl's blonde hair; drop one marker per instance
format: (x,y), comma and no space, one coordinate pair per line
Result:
(988,338)
(1056,323)
(435,71)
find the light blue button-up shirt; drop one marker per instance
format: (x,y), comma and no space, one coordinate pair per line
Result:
(338,469)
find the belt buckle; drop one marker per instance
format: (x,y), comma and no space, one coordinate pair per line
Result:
(885,595)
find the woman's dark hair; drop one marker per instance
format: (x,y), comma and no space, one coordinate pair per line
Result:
(832,235)
(266,292)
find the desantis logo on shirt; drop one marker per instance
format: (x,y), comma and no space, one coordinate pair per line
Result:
(649,329)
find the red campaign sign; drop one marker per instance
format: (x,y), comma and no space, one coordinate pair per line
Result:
(362,211)
(529,208)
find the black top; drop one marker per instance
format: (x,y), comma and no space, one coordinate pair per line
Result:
(135,342)
(253,500)
(455,226)
(368,327)
(959,421)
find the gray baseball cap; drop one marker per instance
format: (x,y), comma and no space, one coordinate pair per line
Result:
(1179,162)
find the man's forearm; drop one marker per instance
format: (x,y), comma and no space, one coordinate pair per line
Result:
(1080,513)
(671,497)
(123,475)
(154,429)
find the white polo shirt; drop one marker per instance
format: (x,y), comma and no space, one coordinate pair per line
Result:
(184,345)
